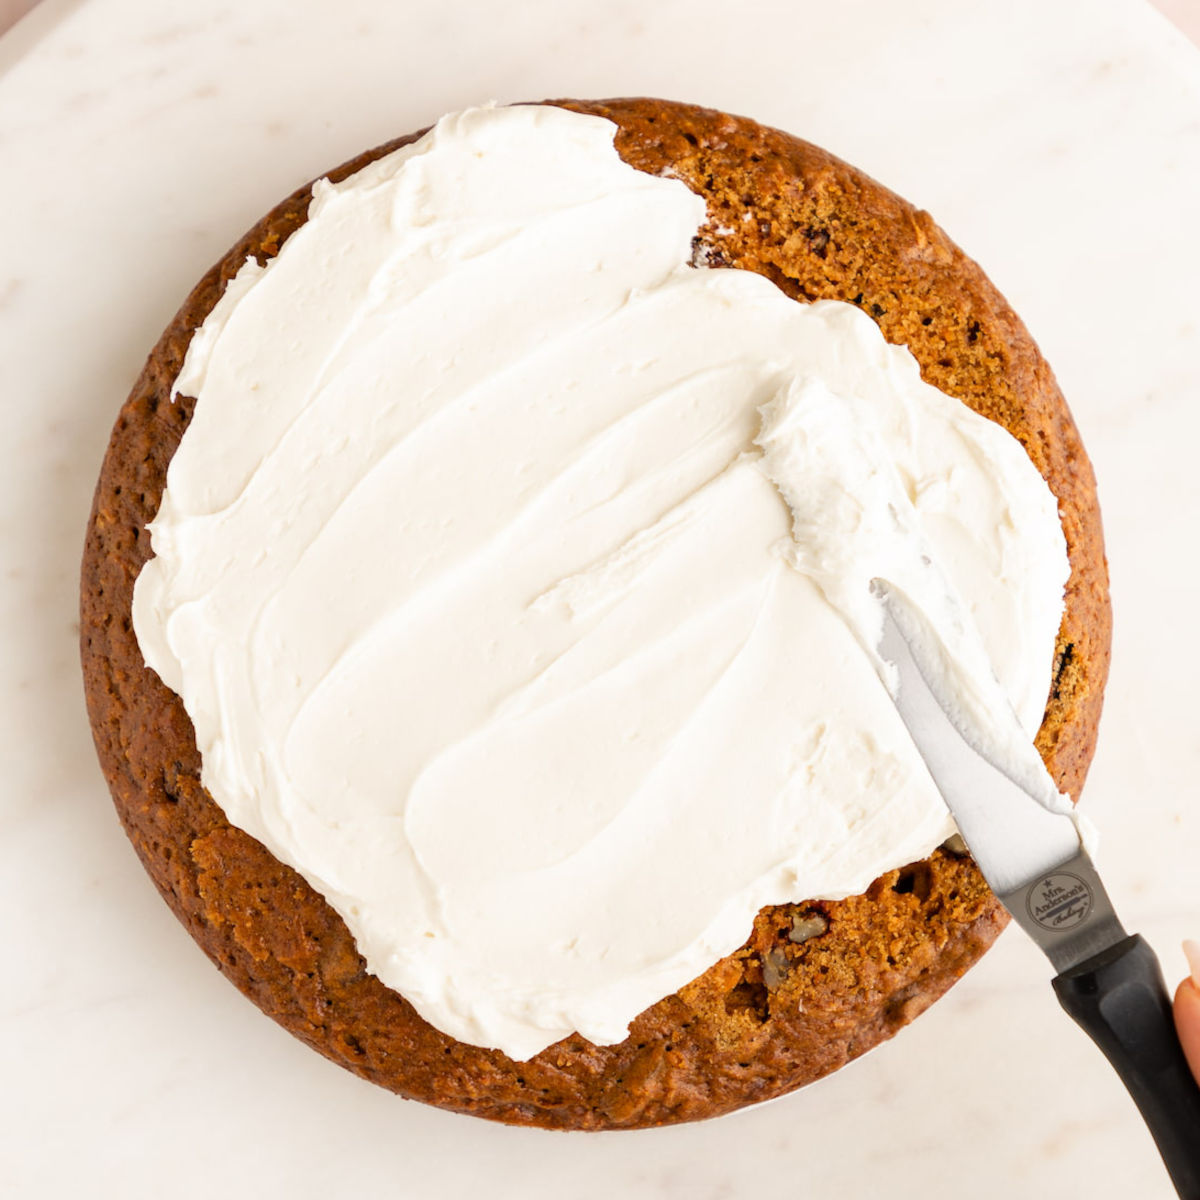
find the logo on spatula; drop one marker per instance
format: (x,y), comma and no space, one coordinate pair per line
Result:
(1060,902)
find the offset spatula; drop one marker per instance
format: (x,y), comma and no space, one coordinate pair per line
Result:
(1110,983)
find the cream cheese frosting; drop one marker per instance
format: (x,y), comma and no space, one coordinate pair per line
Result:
(509,571)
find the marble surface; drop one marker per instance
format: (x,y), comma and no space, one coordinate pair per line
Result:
(1059,143)
(1185,14)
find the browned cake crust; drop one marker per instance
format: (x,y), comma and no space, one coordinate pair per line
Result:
(817,983)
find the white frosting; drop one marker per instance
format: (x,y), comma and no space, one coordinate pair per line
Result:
(476,577)
(860,528)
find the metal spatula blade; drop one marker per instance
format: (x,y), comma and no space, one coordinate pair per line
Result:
(1110,983)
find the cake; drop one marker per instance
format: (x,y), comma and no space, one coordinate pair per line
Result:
(818,982)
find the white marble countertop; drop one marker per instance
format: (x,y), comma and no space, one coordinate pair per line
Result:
(1059,143)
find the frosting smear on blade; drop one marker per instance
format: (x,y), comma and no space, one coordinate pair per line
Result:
(477,576)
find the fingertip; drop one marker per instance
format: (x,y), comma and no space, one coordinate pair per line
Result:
(1187,1022)
(1187,992)
(1191,951)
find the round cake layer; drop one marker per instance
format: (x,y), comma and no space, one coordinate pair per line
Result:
(816,983)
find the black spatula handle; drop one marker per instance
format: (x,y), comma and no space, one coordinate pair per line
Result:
(1120,1001)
